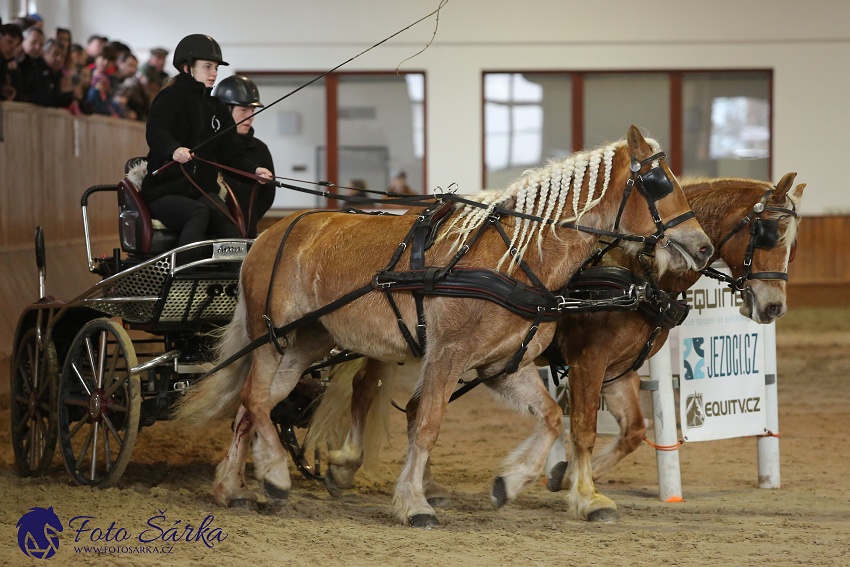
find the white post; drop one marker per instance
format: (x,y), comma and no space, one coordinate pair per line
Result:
(768,447)
(664,419)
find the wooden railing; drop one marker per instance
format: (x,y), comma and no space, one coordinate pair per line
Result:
(48,158)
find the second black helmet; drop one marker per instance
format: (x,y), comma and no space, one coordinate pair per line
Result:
(238,90)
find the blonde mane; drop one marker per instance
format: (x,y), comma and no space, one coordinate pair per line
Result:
(541,192)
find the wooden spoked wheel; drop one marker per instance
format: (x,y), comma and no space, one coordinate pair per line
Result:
(34,381)
(99,404)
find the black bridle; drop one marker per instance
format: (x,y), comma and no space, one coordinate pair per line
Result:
(764,234)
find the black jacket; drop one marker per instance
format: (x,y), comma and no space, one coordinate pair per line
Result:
(255,199)
(44,86)
(185,114)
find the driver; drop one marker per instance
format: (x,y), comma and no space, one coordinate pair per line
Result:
(187,121)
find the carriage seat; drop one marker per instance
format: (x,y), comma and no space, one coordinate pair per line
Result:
(140,234)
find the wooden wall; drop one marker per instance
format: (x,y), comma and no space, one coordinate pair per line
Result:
(48,158)
(819,276)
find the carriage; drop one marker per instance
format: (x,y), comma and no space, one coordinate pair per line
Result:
(91,371)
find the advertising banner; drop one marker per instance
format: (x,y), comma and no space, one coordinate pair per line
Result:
(722,373)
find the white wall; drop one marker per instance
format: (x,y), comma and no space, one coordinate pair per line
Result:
(807,44)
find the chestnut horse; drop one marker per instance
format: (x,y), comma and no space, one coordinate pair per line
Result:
(753,227)
(314,260)
(602,347)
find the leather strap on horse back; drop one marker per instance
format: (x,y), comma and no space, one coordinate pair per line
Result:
(425,231)
(473,283)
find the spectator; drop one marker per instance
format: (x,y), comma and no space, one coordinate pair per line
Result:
(32,49)
(398,184)
(44,81)
(78,55)
(93,47)
(185,122)
(10,79)
(153,71)
(33,43)
(64,35)
(100,93)
(80,82)
(241,95)
(126,66)
(135,91)
(358,188)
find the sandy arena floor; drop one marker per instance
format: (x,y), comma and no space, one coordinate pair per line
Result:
(725,519)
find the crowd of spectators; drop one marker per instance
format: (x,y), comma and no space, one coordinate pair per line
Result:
(101,77)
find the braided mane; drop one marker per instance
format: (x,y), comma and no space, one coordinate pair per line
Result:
(542,192)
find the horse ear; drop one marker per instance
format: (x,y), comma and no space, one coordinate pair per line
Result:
(784,185)
(638,147)
(797,194)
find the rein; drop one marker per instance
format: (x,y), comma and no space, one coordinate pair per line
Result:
(535,301)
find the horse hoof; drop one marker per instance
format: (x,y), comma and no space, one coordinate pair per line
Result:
(330,485)
(426,521)
(499,493)
(243,503)
(279,495)
(440,502)
(604,515)
(555,481)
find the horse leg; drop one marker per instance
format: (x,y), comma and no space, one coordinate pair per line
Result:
(435,493)
(271,379)
(229,488)
(585,502)
(439,377)
(525,391)
(345,462)
(622,397)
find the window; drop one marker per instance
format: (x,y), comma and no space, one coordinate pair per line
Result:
(347,128)
(711,123)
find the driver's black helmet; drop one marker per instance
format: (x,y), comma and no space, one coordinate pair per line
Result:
(197,46)
(238,90)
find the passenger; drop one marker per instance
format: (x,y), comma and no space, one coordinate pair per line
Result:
(185,120)
(240,94)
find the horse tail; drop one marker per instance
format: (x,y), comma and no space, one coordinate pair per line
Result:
(377,422)
(331,420)
(217,395)
(332,417)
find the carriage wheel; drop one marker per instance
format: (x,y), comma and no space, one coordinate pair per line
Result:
(34,380)
(99,404)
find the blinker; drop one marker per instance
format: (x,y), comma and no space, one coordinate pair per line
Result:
(655,183)
(765,233)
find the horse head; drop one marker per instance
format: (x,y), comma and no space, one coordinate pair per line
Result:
(759,245)
(658,208)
